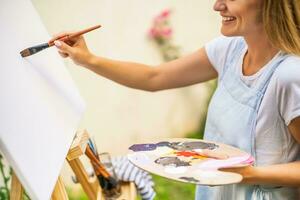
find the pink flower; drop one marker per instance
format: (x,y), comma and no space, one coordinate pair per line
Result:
(162,16)
(165,13)
(160,32)
(161,29)
(153,33)
(167,33)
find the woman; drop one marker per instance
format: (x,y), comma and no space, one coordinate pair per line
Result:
(256,106)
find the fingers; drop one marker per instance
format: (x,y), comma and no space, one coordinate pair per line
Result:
(70,41)
(58,36)
(64,49)
(247,172)
(64,55)
(229,169)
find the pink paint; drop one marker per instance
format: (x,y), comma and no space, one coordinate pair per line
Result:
(249,161)
(214,164)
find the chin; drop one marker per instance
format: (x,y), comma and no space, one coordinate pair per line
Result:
(229,33)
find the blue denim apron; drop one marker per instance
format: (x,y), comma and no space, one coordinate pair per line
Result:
(231,120)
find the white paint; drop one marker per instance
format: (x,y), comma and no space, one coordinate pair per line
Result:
(139,158)
(161,151)
(198,150)
(175,170)
(40,106)
(207,174)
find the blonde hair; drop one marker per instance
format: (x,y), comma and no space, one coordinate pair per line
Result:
(281,19)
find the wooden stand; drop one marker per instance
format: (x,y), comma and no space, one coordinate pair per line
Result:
(90,185)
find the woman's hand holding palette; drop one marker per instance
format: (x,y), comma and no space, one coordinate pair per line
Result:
(190,160)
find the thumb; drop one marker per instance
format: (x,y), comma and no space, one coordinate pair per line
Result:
(63,47)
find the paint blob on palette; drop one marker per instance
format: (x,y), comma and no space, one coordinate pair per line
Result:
(190,160)
(181,146)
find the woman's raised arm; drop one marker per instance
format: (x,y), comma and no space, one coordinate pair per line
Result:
(188,70)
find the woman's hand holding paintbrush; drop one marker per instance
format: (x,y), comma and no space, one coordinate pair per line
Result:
(64,41)
(74,48)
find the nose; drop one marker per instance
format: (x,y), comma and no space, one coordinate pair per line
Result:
(219,5)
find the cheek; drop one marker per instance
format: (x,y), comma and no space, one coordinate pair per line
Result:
(259,16)
(252,19)
(257,10)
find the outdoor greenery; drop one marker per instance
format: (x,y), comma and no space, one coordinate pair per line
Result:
(78,195)
(5,178)
(167,189)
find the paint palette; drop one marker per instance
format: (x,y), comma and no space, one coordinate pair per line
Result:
(190,160)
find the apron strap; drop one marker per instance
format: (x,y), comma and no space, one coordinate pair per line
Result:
(262,86)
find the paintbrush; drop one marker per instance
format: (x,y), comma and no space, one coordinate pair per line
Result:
(66,38)
(93,147)
(105,179)
(100,167)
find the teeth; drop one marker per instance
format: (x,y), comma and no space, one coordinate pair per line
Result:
(226,19)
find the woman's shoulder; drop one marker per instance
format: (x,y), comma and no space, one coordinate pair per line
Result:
(286,85)
(227,41)
(288,71)
(222,49)
(223,46)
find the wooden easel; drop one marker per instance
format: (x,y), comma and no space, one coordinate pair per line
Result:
(90,185)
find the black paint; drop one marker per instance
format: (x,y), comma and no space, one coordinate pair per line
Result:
(180,146)
(190,179)
(171,161)
(143,147)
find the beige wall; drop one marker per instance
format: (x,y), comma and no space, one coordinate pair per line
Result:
(118,116)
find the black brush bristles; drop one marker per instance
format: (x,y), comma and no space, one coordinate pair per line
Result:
(32,50)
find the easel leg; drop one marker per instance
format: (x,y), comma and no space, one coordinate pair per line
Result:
(59,192)
(16,192)
(83,178)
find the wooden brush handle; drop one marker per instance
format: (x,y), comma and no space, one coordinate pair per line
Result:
(101,169)
(66,38)
(83,31)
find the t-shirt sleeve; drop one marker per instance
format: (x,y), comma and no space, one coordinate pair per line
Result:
(288,84)
(219,50)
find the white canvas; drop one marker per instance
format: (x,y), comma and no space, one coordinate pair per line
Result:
(40,107)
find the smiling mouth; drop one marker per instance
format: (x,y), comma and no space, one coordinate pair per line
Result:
(228,19)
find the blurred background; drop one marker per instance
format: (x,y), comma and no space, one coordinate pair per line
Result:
(117,116)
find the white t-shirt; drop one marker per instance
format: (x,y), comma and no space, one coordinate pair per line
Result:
(280,104)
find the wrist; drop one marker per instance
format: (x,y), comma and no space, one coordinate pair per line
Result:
(251,175)
(90,61)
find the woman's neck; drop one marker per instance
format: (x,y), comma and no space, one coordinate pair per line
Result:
(260,52)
